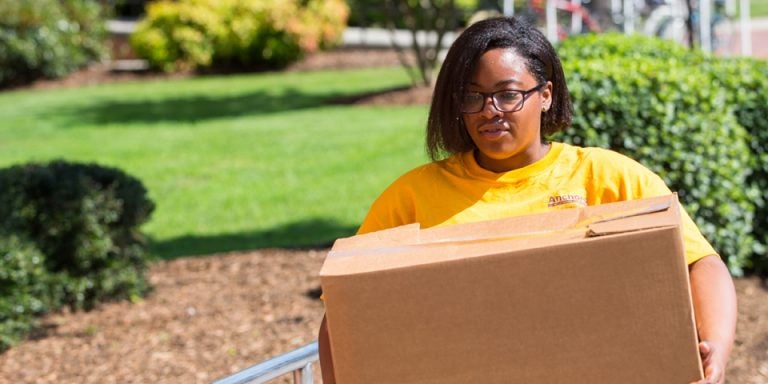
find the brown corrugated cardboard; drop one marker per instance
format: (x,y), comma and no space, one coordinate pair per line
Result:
(592,295)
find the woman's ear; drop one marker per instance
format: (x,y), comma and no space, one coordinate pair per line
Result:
(546,97)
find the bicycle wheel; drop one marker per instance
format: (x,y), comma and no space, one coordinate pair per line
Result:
(666,23)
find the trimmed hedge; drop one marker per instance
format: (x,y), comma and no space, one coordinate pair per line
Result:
(48,38)
(746,82)
(639,96)
(84,220)
(617,45)
(236,34)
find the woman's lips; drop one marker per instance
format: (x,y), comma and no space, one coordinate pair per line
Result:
(493,131)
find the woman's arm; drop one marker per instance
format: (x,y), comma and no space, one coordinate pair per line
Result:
(326,363)
(714,302)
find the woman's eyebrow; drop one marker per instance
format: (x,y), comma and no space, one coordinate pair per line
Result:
(499,83)
(507,82)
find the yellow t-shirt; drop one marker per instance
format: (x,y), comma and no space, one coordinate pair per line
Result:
(457,190)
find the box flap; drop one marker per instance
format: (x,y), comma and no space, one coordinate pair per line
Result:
(504,228)
(393,248)
(404,234)
(657,215)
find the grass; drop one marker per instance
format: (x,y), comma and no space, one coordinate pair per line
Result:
(758,8)
(233,163)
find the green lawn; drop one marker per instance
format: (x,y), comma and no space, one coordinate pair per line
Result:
(233,163)
(758,8)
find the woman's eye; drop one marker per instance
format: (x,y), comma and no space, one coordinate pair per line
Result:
(508,96)
(473,98)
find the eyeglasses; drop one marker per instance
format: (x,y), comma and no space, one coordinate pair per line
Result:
(507,100)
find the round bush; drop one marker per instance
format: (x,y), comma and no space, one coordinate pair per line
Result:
(236,34)
(84,218)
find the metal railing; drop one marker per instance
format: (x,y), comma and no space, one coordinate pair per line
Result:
(299,362)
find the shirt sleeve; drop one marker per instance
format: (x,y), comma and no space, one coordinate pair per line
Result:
(696,246)
(649,184)
(392,208)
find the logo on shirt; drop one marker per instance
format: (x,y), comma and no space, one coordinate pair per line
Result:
(556,201)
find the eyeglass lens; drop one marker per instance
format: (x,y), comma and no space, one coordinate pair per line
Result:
(504,101)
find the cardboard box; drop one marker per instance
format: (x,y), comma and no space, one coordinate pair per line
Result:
(593,295)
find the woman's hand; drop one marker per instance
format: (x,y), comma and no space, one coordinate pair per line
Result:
(714,364)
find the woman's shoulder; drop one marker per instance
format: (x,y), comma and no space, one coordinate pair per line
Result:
(424,173)
(608,170)
(590,152)
(451,164)
(426,170)
(599,157)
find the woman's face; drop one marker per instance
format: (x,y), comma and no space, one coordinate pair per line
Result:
(506,140)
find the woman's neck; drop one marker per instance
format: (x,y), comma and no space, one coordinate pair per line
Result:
(530,156)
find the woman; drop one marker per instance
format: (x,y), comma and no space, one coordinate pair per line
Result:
(500,92)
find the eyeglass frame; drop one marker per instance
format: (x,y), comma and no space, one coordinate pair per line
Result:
(492,95)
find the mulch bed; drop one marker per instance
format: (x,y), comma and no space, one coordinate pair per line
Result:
(208,317)
(212,316)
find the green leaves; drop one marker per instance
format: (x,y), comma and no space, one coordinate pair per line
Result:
(22,288)
(48,38)
(236,34)
(687,117)
(81,242)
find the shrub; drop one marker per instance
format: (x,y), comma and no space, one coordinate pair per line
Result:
(263,33)
(176,36)
(84,218)
(617,45)
(745,82)
(22,288)
(239,34)
(48,38)
(674,121)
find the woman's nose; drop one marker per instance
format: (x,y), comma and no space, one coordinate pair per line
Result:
(489,107)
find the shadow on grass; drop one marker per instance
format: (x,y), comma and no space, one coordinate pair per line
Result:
(315,233)
(198,107)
